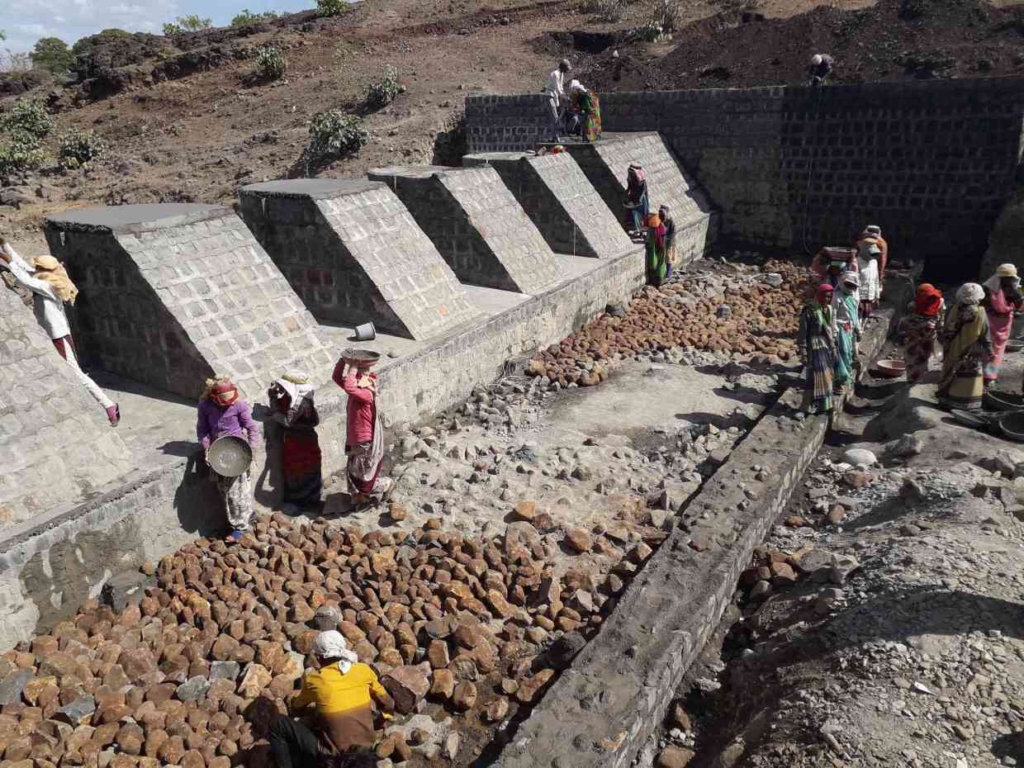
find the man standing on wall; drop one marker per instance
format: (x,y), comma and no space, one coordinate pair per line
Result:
(555,90)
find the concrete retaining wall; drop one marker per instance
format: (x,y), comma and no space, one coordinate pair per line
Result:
(353,252)
(49,566)
(560,200)
(173,293)
(476,224)
(931,162)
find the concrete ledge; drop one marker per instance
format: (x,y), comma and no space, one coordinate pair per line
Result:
(52,564)
(605,707)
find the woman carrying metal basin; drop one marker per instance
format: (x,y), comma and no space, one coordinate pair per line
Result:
(227,431)
(364,444)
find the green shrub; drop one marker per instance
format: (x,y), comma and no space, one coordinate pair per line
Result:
(333,135)
(341,51)
(28,117)
(79,148)
(383,93)
(190,23)
(19,153)
(270,63)
(247,18)
(649,32)
(332,7)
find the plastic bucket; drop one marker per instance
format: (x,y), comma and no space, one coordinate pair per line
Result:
(366,332)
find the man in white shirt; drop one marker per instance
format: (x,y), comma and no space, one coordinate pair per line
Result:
(555,89)
(49,297)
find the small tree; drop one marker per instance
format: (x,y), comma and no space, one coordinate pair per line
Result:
(333,135)
(270,64)
(53,54)
(331,7)
(190,23)
(383,93)
(79,148)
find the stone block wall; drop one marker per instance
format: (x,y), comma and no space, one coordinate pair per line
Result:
(931,162)
(171,294)
(508,123)
(476,224)
(56,447)
(354,253)
(560,200)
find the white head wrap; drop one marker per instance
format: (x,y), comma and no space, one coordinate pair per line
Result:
(816,60)
(850,278)
(296,384)
(873,229)
(576,85)
(332,645)
(970,293)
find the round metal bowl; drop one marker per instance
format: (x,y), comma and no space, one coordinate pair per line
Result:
(1016,345)
(1002,401)
(366,357)
(1012,425)
(890,369)
(229,456)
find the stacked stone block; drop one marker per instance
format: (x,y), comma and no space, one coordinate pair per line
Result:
(507,123)
(354,253)
(171,294)
(606,164)
(477,225)
(56,447)
(560,200)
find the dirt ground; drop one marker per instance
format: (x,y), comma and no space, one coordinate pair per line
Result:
(912,653)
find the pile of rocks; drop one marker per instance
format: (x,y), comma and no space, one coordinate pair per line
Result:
(191,675)
(745,313)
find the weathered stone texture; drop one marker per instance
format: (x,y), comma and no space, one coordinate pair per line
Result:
(173,299)
(354,253)
(56,446)
(513,123)
(477,225)
(561,201)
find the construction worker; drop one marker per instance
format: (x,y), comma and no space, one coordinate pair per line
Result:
(820,69)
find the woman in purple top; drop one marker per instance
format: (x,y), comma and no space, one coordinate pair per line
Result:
(222,413)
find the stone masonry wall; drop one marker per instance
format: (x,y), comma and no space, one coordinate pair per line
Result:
(56,447)
(353,252)
(476,224)
(930,162)
(512,123)
(560,200)
(172,299)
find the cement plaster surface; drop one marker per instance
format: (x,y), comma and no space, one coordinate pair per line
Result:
(314,188)
(117,216)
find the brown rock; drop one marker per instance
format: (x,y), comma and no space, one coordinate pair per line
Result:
(443,684)
(437,654)
(256,678)
(796,521)
(783,573)
(465,696)
(137,662)
(497,710)
(397,512)
(530,688)
(407,686)
(674,757)
(35,687)
(837,514)
(678,718)
(525,510)
(155,739)
(856,479)
(501,607)
(130,739)
(193,759)
(579,540)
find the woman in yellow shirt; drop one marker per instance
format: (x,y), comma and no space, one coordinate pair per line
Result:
(340,695)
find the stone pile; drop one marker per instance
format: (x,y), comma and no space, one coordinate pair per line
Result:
(191,675)
(749,313)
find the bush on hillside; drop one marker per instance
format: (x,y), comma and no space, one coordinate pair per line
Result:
(382,93)
(247,18)
(190,23)
(28,117)
(53,54)
(331,7)
(270,63)
(78,149)
(19,153)
(333,135)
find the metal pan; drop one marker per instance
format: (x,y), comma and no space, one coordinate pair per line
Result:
(229,456)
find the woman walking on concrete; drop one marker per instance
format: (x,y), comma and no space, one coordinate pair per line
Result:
(364,443)
(847,329)
(966,348)
(222,413)
(291,401)
(637,205)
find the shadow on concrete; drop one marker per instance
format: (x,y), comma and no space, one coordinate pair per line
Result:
(747,395)
(181,448)
(197,501)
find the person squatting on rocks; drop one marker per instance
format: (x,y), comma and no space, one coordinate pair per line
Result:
(51,288)
(555,90)
(637,204)
(221,413)
(341,695)
(657,266)
(583,118)
(293,408)
(1002,300)
(364,443)
(868,254)
(966,348)
(816,343)
(671,258)
(847,329)
(819,69)
(918,329)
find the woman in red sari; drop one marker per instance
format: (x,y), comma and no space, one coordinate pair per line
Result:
(1002,299)
(291,400)
(364,442)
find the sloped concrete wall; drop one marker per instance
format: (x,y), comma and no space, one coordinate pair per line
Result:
(560,200)
(353,252)
(172,293)
(606,164)
(477,225)
(56,447)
